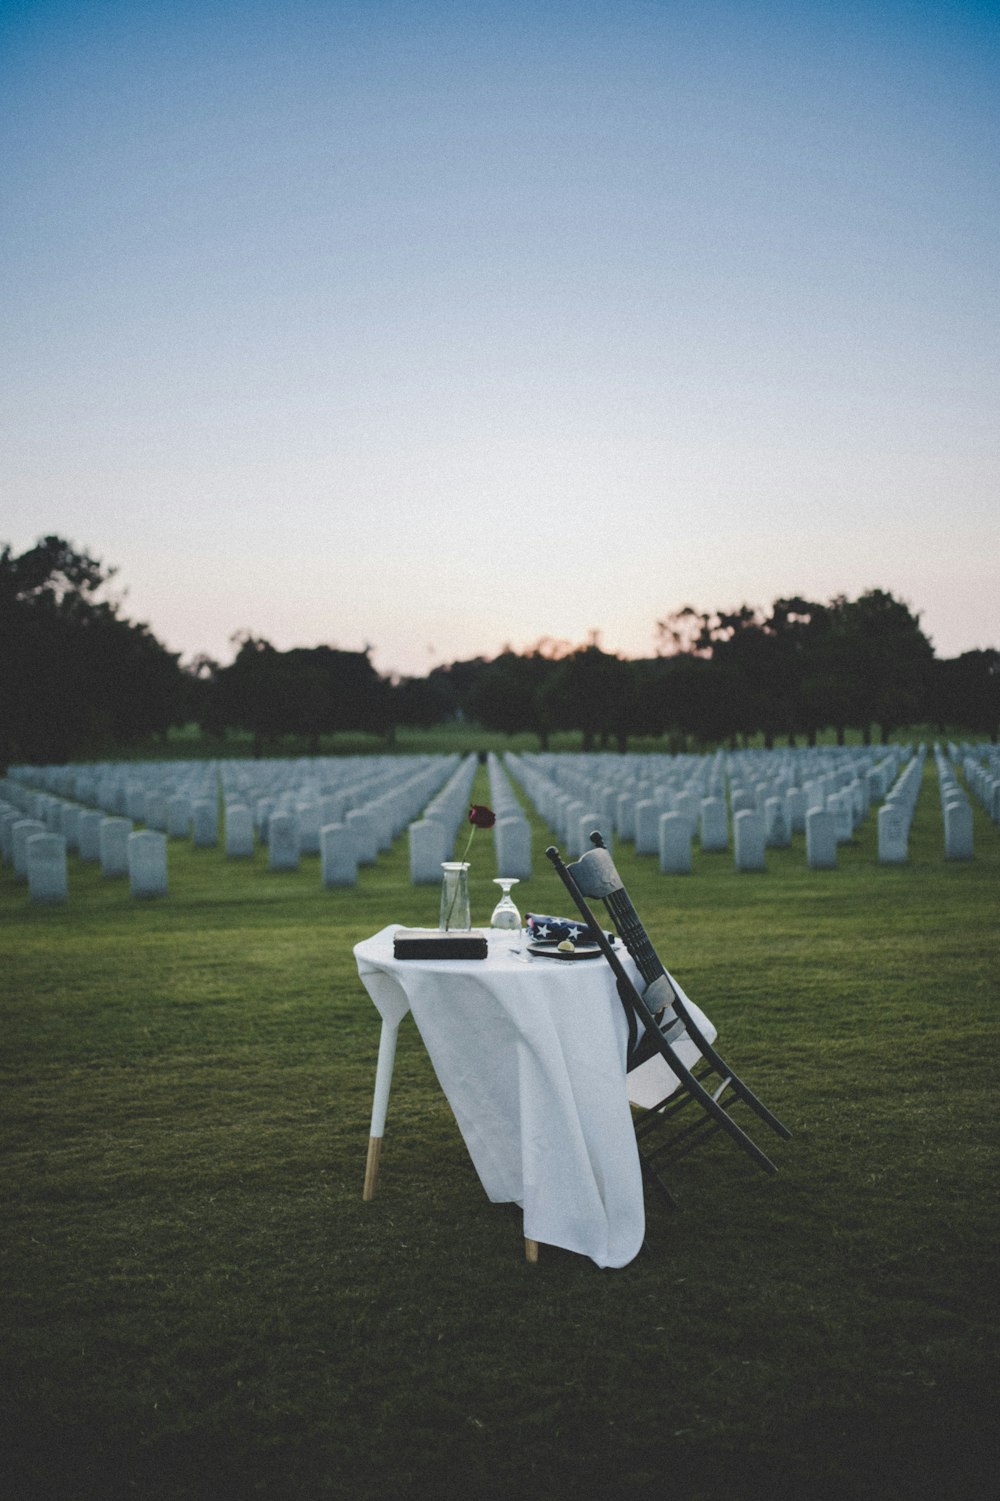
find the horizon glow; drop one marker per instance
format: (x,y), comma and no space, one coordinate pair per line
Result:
(440,330)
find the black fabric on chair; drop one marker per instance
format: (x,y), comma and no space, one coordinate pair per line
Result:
(658,1020)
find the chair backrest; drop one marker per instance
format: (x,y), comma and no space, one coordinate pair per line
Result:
(596,876)
(652,1007)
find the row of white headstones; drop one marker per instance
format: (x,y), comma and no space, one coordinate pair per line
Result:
(753,800)
(349,810)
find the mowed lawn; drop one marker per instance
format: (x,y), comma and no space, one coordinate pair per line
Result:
(197,1303)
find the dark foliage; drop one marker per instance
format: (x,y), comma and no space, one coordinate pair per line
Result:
(75,676)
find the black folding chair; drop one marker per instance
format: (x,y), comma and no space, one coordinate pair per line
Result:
(658,1021)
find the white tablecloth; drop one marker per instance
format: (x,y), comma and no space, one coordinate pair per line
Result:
(531,1057)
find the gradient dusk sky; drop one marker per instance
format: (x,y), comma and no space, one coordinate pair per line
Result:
(445,326)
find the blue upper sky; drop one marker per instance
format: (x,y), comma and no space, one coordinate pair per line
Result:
(441,326)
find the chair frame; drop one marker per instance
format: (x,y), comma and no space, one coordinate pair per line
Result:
(657,1020)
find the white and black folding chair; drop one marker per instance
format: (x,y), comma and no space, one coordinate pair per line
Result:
(659,1022)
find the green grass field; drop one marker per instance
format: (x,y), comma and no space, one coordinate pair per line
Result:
(196,1302)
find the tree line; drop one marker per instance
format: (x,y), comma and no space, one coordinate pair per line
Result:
(77,678)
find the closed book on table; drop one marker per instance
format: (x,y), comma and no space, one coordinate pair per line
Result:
(435,943)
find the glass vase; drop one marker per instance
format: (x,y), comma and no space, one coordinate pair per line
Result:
(455,910)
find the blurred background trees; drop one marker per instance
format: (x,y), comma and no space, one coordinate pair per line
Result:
(78,679)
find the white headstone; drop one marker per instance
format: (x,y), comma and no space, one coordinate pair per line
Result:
(958,831)
(71,826)
(283,841)
(647,827)
(821,839)
(587,823)
(8,818)
(309,825)
(135,801)
(777,833)
(362,827)
(838,805)
(204,822)
(572,814)
(893,835)
(749,836)
(23,830)
(88,830)
(714,824)
(179,816)
(155,811)
(338,858)
(625,815)
(743,801)
(428,842)
(795,810)
(239,831)
(46,858)
(147,863)
(114,846)
(675,844)
(513,846)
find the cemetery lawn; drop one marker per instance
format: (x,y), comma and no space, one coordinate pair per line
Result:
(196,1302)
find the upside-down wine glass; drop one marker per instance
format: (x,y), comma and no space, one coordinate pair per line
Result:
(505,914)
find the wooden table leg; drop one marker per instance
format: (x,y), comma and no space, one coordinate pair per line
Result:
(383,1080)
(371,1167)
(530,1250)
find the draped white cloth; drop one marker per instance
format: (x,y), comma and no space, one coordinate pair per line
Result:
(531,1057)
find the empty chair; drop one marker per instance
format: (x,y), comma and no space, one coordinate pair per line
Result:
(698,1106)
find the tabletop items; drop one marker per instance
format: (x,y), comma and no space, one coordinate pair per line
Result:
(437,943)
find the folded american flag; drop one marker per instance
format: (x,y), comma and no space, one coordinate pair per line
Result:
(556,929)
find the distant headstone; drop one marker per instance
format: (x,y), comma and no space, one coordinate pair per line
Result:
(958,831)
(88,830)
(338,859)
(625,815)
(23,830)
(331,808)
(362,827)
(777,833)
(263,808)
(714,824)
(238,831)
(71,826)
(8,818)
(309,825)
(795,810)
(155,811)
(179,816)
(838,805)
(147,863)
(204,822)
(749,834)
(46,861)
(428,843)
(893,835)
(743,801)
(114,846)
(572,814)
(675,844)
(513,846)
(283,841)
(587,823)
(821,839)
(647,827)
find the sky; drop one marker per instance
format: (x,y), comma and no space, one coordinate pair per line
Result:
(435,328)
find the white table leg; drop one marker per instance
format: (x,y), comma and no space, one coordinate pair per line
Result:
(380,1104)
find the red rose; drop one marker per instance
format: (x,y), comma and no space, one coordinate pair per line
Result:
(482,817)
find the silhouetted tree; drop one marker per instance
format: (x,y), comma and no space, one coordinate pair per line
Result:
(964,692)
(75,675)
